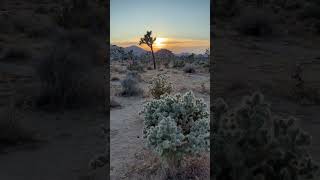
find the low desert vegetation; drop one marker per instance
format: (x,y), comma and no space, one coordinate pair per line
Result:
(189,68)
(252,142)
(136,67)
(178,63)
(176,126)
(130,85)
(160,86)
(62,78)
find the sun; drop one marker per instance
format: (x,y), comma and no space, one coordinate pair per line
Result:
(160,42)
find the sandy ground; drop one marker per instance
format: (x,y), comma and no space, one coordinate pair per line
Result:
(68,140)
(126,124)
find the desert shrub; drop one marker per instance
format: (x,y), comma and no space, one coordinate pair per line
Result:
(175,126)
(130,86)
(252,143)
(135,75)
(64,78)
(189,68)
(255,23)
(81,14)
(160,86)
(135,67)
(178,63)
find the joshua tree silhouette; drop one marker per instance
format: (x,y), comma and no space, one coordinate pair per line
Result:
(149,40)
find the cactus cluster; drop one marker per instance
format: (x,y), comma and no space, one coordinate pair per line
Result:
(251,143)
(175,126)
(160,86)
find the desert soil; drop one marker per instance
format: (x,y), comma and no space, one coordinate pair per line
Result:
(68,139)
(126,142)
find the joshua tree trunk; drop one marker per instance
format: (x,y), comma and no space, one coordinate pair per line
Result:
(154,60)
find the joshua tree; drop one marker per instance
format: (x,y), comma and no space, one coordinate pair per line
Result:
(149,40)
(131,56)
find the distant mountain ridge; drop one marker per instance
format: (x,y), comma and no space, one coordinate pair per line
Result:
(136,50)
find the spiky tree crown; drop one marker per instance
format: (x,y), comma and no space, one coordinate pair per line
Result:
(147,39)
(251,143)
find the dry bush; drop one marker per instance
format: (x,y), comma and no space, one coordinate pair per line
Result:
(135,67)
(160,86)
(189,68)
(178,63)
(193,168)
(82,14)
(66,79)
(130,86)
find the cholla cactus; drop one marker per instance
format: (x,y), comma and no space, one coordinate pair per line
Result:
(160,86)
(175,126)
(251,143)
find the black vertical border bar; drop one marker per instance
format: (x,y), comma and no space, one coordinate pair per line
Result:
(107,86)
(212,64)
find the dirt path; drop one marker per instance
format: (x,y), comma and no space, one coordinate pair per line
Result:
(125,135)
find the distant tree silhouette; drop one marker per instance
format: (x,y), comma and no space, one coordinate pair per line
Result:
(149,40)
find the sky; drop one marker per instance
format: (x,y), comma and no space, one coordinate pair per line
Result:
(179,25)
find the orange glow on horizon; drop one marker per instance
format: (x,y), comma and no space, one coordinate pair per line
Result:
(173,44)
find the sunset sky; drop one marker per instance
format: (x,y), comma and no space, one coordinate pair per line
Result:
(179,25)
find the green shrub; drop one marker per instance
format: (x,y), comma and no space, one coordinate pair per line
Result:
(175,126)
(252,143)
(160,86)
